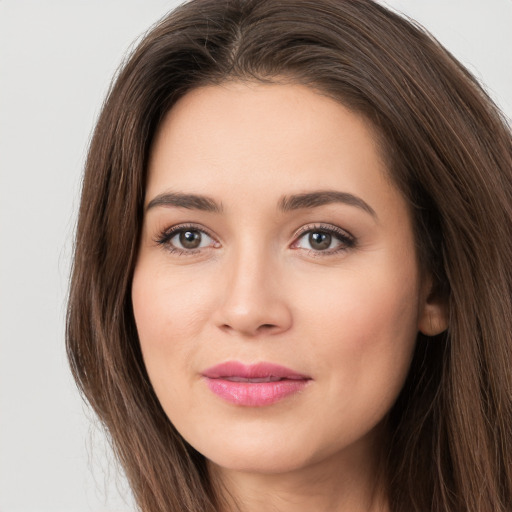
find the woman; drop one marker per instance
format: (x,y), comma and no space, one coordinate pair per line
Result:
(292,283)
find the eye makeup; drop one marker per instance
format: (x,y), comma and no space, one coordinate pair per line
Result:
(192,238)
(323,239)
(317,239)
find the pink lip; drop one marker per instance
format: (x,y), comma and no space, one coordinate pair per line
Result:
(254,385)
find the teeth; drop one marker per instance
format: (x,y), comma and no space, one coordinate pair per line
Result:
(255,380)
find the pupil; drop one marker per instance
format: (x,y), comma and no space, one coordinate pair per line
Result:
(320,241)
(190,239)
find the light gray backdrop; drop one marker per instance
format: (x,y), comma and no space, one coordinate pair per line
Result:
(56,61)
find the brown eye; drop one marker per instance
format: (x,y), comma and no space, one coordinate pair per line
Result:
(320,241)
(326,240)
(190,239)
(186,239)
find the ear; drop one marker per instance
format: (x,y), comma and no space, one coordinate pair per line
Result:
(433,317)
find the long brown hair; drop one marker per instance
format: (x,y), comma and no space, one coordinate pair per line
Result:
(448,150)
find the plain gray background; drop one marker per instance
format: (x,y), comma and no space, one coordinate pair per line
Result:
(56,62)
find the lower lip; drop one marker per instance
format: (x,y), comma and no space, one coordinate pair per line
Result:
(255,394)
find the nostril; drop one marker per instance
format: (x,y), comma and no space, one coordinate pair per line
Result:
(259,329)
(266,327)
(252,318)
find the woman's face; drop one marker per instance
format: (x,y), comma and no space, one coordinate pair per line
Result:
(277,294)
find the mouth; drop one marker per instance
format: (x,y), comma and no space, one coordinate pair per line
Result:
(255,385)
(270,378)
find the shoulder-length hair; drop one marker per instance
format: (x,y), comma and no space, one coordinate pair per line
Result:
(448,150)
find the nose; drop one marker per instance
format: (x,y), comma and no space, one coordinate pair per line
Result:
(253,301)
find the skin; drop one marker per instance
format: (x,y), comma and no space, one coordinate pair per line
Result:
(257,290)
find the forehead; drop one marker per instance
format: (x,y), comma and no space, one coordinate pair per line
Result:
(259,139)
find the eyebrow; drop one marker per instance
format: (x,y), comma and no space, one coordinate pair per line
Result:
(321,198)
(286,203)
(188,201)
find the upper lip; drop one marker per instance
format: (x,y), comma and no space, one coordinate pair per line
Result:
(264,370)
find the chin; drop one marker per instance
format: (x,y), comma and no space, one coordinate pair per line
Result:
(272,460)
(267,448)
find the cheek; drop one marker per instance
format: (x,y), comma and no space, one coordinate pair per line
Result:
(366,328)
(363,306)
(169,301)
(169,314)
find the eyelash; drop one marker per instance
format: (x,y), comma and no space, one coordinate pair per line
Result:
(167,235)
(345,239)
